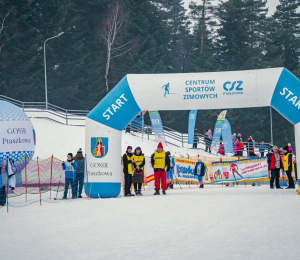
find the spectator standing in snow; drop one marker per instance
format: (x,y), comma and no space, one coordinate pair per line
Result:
(207,142)
(195,138)
(159,161)
(200,172)
(138,173)
(240,145)
(209,135)
(288,166)
(262,149)
(170,172)
(80,160)
(127,170)
(70,167)
(275,166)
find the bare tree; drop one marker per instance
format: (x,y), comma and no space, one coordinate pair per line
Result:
(6,12)
(111,32)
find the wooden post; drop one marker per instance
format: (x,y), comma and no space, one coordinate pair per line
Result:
(37,160)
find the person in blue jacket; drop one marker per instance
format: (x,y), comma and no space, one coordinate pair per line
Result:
(170,172)
(200,172)
(70,167)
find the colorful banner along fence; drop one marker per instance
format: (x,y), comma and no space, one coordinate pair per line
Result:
(185,170)
(227,137)
(218,131)
(240,170)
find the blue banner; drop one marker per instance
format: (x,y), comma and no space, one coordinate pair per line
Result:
(157,126)
(218,131)
(227,137)
(192,122)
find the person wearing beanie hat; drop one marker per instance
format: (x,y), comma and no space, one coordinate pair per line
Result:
(288,166)
(170,172)
(138,170)
(159,161)
(70,167)
(80,160)
(127,170)
(200,172)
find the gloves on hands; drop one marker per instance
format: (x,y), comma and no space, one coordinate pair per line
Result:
(72,164)
(63,164)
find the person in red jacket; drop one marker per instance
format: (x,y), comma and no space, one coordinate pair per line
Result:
(275,166)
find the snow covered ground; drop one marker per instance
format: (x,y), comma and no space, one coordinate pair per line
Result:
(192,223)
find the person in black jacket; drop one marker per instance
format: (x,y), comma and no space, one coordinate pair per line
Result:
(195,138)
(80,160)
(128,170)
(200,172)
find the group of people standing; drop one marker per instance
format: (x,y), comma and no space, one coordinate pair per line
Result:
(133,169)
(281,159)
(74,174)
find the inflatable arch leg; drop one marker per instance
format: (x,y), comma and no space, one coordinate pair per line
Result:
(104,125)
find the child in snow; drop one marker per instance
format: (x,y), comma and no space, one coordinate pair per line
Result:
(70,167)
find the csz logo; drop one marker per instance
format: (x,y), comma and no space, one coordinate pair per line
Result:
(233,86)
(99,146)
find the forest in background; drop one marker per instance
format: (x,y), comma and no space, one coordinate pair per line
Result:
(158,36)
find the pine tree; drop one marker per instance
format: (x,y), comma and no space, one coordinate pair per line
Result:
(285,32)
(256,22)
(233,39)
(203,54)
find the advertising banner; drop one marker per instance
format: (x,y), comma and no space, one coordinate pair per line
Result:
(185,170)
(192,122)
(17,135)
(218,131)
(227,136)
(157,126)
(240,170)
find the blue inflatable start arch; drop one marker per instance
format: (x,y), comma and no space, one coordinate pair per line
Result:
(277,87)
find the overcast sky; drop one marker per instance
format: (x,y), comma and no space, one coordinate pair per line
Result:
(271,4)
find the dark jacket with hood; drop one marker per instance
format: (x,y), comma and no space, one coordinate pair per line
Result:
(126,162)
(80,160)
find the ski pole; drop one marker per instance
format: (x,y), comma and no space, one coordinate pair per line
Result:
(58,186)
(177,180)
